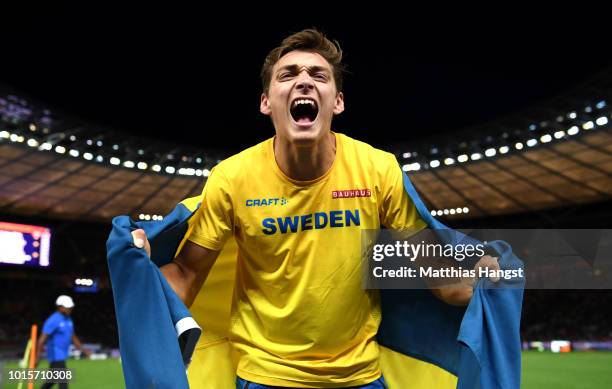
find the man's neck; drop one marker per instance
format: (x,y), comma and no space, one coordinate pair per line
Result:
(305,163)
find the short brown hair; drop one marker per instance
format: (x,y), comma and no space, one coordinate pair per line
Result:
(310,40)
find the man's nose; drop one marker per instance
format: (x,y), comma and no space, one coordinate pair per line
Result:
(305,82)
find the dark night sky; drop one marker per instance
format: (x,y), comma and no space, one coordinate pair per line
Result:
(168,73)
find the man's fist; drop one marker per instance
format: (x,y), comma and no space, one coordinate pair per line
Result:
(140,240)
(489,262)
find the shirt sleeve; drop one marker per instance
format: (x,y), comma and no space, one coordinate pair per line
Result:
(50,325)
(397,210)
(214,220)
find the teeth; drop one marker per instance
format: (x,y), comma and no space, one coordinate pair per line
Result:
(303,101)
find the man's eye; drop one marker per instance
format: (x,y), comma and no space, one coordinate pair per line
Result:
(320,76)
(284,75)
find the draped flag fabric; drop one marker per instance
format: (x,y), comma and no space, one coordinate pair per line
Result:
(425,343)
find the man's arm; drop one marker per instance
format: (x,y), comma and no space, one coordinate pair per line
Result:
(77,343)
(189,269)
(39,346)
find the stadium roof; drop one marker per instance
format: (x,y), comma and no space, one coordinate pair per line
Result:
(49,184)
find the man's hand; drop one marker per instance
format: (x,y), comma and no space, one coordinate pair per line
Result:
(489,262)
(140,240)
(460,294)
(87,352)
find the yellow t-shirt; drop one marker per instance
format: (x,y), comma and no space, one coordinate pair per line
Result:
(300,316)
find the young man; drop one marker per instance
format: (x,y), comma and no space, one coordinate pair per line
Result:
(57,335)
(296,205)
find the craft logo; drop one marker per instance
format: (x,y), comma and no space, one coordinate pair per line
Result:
(265,202)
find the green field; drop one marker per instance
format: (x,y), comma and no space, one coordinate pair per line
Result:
(583,370)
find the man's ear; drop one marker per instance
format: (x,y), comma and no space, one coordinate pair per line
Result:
(339,104)
(264,105)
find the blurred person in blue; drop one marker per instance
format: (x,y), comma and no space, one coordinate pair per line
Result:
(57,335)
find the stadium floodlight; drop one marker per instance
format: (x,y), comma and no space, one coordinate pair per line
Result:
(440,213)
(407,155)
(140,152)
(449,161)
(4,134)
(476,156)
(99,143)
(504,149)
(433,213)
(532,142)
(411,167)
(13,137)
(156,168)
(198,172)
(72,138)
(88,156)
(588,109)
(115,147)
(60,149)
(170,169)
(466,210)
(572,115)
(601,104)
(141,216)
(452,211)
(588,125)
(459,210)
(462,158)
(560,118)
(115,161)
(601,121)
(559,134)
(445,211)
(573,130)
(147,217)
(206,172)
(142,165)
(532,127)
(129,164)
(46,146)
(518,146)
(186,171)
(545,138)
(32,142)
(434,164)
(89,142)
(73,153)
(154,217)
(32,127)
(100,159)
(198,160)
(490,152)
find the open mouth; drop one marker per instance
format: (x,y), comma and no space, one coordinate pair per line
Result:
(304,111)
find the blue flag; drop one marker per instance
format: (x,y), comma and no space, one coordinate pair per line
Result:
(479,344)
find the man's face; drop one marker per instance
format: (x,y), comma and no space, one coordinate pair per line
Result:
(302,98)
(65,311)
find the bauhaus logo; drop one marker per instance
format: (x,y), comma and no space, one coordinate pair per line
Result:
(349,193)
